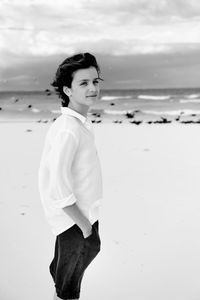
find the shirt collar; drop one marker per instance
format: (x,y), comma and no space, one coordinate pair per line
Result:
(71,112)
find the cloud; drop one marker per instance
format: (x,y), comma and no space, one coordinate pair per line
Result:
(140,26)
(180,69)
(146,8)
(118,27)
(151,70)
(33,32)
(18,82)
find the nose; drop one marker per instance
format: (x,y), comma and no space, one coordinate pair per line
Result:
(92,87)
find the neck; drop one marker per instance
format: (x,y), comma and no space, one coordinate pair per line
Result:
(83,110)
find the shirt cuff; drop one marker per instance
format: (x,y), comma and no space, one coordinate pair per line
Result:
(65,201)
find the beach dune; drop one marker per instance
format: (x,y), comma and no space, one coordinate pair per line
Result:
(150,216)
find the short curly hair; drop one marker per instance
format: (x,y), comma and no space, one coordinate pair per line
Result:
(64,73)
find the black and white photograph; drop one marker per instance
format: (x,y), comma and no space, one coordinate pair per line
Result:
(100,149)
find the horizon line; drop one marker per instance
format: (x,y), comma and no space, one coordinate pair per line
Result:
(107,89)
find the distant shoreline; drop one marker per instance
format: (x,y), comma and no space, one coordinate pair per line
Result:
(136,106)
(108,90)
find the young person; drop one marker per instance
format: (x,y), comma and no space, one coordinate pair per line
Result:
(70,181)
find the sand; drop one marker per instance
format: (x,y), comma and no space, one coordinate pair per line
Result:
(150,217)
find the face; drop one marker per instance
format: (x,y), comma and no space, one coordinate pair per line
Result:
(84,90)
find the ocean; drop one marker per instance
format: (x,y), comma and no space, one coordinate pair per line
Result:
(133,105)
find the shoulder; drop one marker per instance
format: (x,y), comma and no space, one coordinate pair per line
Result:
(65,124)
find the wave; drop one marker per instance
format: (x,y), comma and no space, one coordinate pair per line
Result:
(193,96)
(190,101)
(36,110)
(185,112)
(117,112)
(152,97)
(108,98)
(55,111)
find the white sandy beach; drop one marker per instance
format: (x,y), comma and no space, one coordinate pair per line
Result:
(150,220)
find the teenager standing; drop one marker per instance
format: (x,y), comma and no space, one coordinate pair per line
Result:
(70,181)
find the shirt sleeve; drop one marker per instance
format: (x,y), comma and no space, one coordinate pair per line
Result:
(62,156)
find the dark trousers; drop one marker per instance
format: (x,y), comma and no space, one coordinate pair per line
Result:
(73,254)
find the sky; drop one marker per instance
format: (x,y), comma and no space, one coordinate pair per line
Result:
(138,43)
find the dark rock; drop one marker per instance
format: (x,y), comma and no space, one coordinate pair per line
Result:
(130,115)
(48,92)
(158,122)
(136,122)
(117,121)
(187,122)
(164,120)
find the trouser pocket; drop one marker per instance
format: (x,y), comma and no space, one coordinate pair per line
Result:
(93,241)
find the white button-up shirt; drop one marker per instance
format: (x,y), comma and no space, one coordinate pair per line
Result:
(70,170)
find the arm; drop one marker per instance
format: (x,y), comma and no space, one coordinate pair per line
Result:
(62,192)
(77,216)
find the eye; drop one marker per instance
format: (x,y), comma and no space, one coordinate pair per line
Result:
(96,82)
(83,83)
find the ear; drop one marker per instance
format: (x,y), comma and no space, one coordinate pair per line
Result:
(67,91)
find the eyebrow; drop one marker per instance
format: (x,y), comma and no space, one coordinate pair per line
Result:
(89,79)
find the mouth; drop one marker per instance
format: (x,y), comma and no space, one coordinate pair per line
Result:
(92,96)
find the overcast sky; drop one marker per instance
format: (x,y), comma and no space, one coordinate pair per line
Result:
(138,43)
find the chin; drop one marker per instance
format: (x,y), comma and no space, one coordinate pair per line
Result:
(91,100)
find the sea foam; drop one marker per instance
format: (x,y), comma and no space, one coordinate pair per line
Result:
(36,110)
(193,96)
(152,97)
(190,101)
(55,111)
(117,112)
(173,112)
(109,98)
